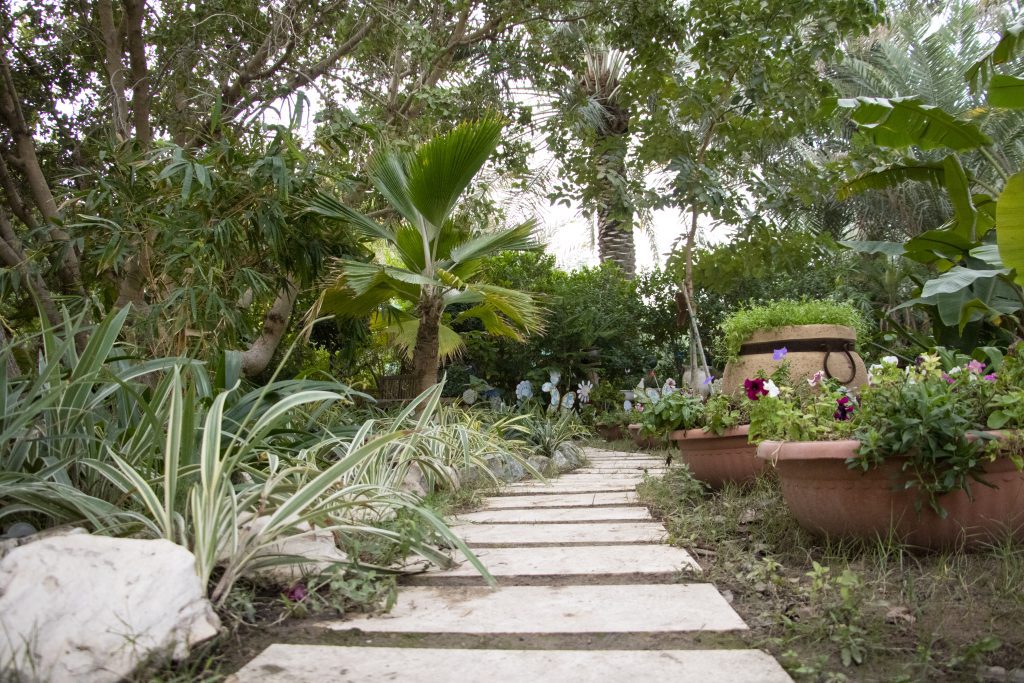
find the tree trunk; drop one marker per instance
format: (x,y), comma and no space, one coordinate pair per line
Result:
(257,357)
(425,353)
(614,213)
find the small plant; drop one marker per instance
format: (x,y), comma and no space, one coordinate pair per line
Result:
(675,410)
(740,325)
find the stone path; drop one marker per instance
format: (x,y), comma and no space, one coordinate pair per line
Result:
(588,591)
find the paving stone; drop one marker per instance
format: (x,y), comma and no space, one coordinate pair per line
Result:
(556,515)
(622,469)
(577,561)
(560,486)
(564,500)
(491,535)
(645,608)
(316,663)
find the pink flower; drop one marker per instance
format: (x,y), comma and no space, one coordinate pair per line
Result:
(949,380)
(817,379)
(755,388)
(976,367)
(297,593)
(991,377)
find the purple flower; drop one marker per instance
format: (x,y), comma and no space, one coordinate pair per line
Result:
(709,380)
(949,380)
(976,367)
(297,593)
(844,408)
(779,354)
(991,377)
(755,388)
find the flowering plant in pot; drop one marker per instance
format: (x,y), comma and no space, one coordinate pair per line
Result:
(913,456)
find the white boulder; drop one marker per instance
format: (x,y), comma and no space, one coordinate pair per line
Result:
(92,608)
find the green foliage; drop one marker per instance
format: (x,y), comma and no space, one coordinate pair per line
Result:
(193,459)
(678,410)
(723,411)
(738,326)
(592,308)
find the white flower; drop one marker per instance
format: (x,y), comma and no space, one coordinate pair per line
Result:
(773,391)
(818,378)
(469,396)
(524,390)
(652,394)
(584,391)
(890,360)
(954,371)
(669,388)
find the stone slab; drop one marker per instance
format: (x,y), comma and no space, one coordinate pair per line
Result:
(586,533)
(565,500)
(620,469)
(645,608)
(322,663)
(556,515)
(562,486)
(577,561)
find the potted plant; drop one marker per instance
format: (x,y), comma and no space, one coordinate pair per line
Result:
(719,451)
(916,456)
(612,425)
(813,336)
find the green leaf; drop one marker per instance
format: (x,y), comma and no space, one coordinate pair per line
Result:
(933,245)
(959,189)
(956,279)
(1001,53)
(885,177)
(1006,92)
(1010,223)
(442,169)
(874,247)
(907,121)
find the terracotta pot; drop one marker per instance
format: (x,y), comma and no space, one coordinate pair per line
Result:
(811,348)
(641,441)
(610,433)
(829,498)
(718,460)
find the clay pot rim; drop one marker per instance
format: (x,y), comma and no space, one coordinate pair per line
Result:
(772,334)
(838,449)
(699,433)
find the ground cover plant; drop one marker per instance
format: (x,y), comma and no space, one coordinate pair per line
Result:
(844,610)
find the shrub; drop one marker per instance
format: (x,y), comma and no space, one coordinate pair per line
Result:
(737,327)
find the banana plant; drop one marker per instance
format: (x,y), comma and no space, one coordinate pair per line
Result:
(978,254)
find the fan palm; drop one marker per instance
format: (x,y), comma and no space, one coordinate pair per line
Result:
(438,258)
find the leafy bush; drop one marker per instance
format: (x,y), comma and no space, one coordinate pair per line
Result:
(160,449)
(737,327)
(677,410)
(545,434)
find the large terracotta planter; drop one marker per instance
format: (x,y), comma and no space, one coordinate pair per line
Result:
(829,498)
(810,348)
(640,441)
(719,460)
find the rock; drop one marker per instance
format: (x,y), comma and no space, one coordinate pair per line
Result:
(561,463)
(514,469)
(572,453)
(93,608)
(498,466)
(316,545)
(9,544)
(453,476)
(415,482)
(546,466)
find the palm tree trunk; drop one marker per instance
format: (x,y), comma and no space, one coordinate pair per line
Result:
(614,215)
(425,353)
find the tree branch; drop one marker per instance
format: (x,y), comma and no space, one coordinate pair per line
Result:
(112,51)
(257,357)
(135,13)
